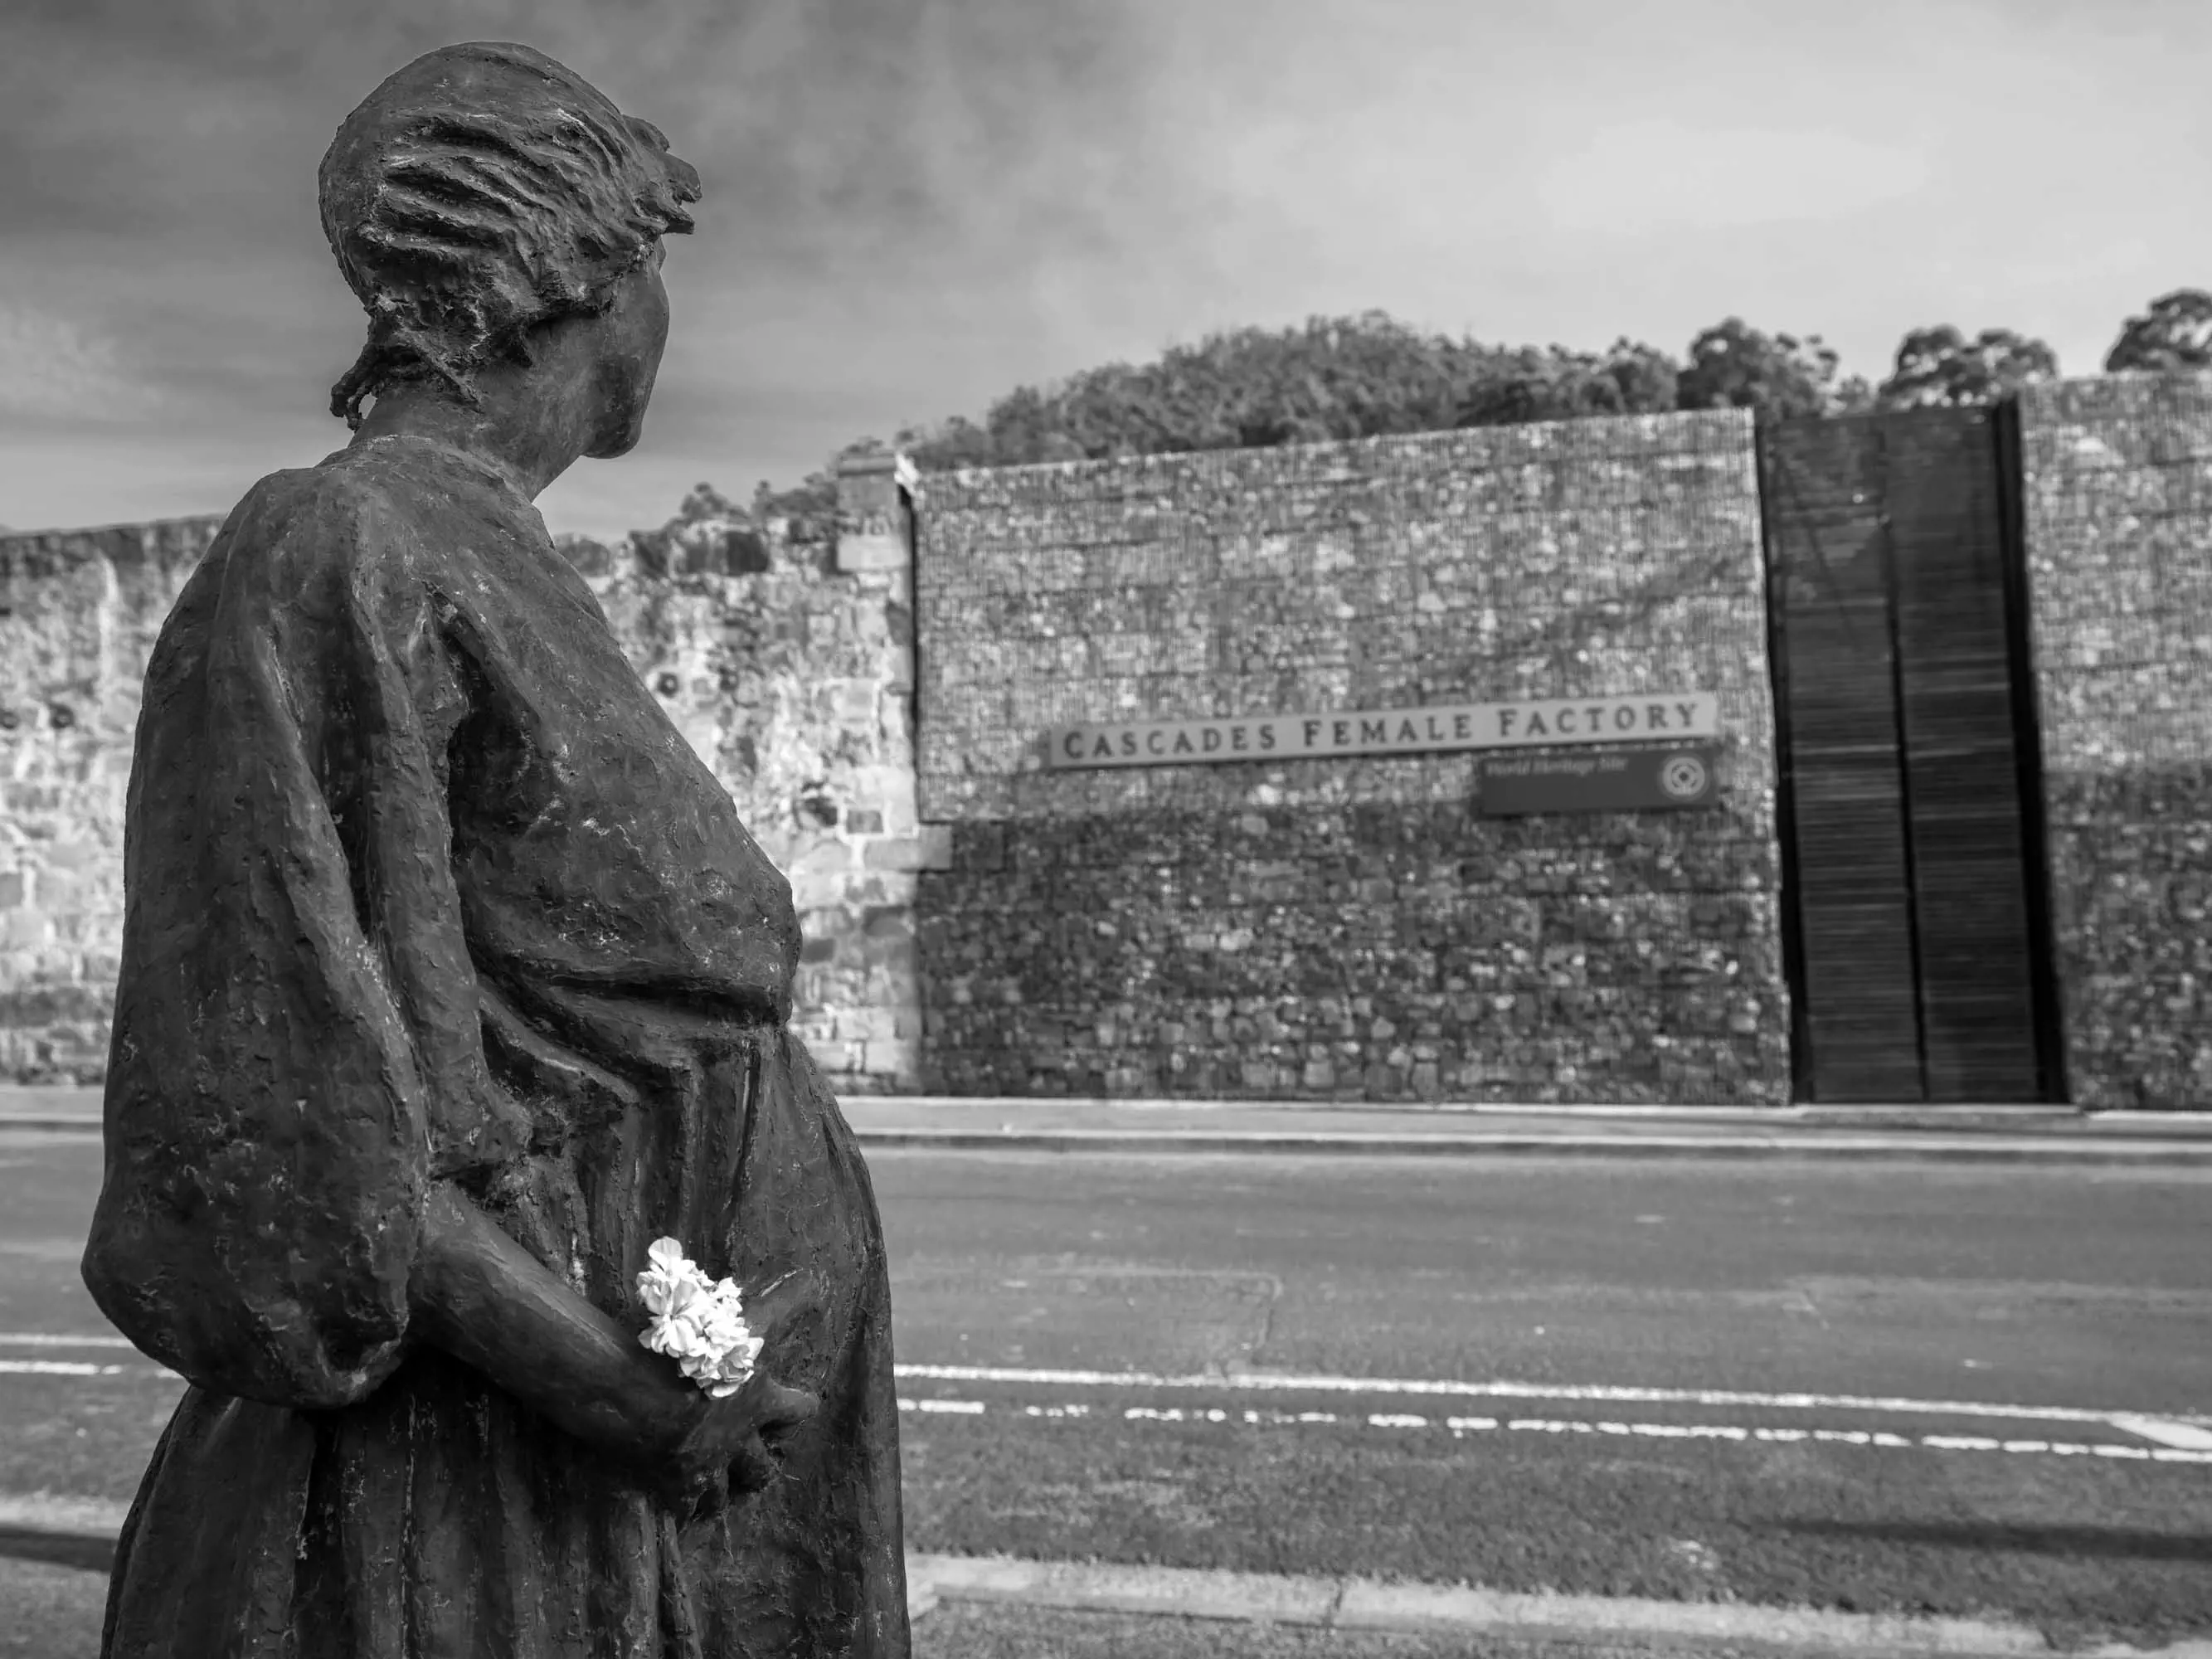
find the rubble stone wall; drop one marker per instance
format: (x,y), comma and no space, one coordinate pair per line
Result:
(1329,929)
(791,676)
(2117,485)
(79,613)
(1345,929)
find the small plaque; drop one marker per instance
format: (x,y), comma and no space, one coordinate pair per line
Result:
(1665,778)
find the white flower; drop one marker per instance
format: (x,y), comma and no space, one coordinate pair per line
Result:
(665,1284)
(697,1322)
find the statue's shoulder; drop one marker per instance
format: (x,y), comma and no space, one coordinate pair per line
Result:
(364,507)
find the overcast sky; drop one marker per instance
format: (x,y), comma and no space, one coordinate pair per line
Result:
(914,206)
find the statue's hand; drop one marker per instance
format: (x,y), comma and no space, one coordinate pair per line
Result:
(727,1446)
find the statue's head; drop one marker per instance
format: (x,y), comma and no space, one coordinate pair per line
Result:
(484,192)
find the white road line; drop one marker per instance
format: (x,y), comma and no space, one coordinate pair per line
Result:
(2185,1437)
(1282,1383)
(1460,1426)
(61,1368)
(2182,1431)
(54,1339)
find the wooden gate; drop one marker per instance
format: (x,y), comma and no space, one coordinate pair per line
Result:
(1915,922)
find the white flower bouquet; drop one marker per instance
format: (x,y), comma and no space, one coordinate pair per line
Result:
(696,1322)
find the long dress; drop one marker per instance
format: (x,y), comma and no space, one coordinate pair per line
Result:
(422,885)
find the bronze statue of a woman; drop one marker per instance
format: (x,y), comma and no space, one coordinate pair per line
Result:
(450,982)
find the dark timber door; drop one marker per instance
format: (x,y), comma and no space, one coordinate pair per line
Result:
(1912,825)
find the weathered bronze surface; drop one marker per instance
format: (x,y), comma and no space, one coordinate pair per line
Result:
(450,981)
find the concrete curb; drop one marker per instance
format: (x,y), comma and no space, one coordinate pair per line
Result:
(70,1102)
(1461,1116)
(1431,1609)
(2016,1118)
(2047,1135)
(2075,1150)
(1355,1604)
(2164,1154)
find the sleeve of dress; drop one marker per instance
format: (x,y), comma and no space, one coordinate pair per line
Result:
(296,1052)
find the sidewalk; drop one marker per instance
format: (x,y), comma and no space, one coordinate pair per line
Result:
(1975,1133)
(79,1536)
(1616,1625)
(79,1533)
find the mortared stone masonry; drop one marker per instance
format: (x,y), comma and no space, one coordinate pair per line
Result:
(1347,929)
(1344,929)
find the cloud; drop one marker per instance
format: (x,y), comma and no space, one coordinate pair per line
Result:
(914,205)
(814,121)
(865,161)
(52,370)
(1639,177)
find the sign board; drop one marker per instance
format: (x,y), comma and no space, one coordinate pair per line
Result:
(1669,776)
(1646,715)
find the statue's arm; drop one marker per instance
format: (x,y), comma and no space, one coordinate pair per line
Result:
(482,1298)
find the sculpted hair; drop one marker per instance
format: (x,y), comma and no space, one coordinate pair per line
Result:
(480,191)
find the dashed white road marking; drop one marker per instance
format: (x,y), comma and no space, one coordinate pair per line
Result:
(1462,1426)
(2181,1437)
(62,1368)
(54,1339)
(1292,1383)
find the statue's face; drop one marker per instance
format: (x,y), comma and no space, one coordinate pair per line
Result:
(633,333)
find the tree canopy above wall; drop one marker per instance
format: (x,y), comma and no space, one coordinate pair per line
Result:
(1334,378)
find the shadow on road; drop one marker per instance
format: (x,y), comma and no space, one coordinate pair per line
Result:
(58,1549)
(2105,1543)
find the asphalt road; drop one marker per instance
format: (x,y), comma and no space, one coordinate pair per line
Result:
(1975,1390)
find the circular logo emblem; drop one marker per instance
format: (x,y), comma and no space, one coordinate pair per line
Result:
(1682,776)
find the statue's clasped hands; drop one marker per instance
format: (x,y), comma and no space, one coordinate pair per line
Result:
(721,1443)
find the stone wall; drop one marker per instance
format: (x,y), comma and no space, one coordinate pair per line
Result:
(2118,476)
(789,672)
(79,612)
(1346,928)
(1327,929)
